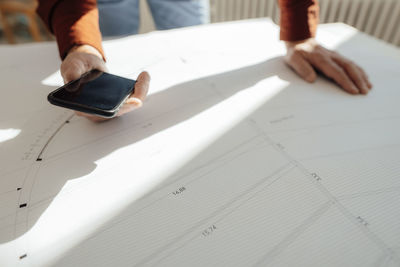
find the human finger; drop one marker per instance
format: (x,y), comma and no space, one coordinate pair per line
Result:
(71,70)
(328,67)
(303,68)
(366,78)
(354,73)
(78,63)
(141,89)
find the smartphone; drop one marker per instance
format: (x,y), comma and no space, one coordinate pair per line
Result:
(96,92)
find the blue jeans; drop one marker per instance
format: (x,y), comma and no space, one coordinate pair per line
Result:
(121,17)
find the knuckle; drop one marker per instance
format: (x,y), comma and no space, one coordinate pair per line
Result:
(320,53)
(334,53)
(349,65)
(340,72)
(321,59)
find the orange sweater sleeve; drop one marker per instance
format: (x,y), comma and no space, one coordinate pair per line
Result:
(73,22)
(299,19)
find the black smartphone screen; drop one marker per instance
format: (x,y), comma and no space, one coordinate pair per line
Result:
(96,92)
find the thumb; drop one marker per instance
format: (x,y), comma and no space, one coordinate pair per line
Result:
(141,89)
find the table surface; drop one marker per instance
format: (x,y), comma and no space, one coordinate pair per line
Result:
(232,161)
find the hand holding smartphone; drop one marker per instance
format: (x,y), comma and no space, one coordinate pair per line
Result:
(95,92)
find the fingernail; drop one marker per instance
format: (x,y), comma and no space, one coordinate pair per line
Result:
(134,101)
(354,90)
(310,78)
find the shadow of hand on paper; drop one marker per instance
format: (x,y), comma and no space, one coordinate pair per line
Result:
(82,153)
(75,149)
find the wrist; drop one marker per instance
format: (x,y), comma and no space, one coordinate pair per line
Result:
(86,49)
(290,44)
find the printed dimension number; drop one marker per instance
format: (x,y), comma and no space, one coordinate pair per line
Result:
(179,191)
(209,230)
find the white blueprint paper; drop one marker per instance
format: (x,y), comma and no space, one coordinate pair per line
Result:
(232,161)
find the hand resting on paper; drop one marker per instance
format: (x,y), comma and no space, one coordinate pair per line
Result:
(307,56)
(84,58)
